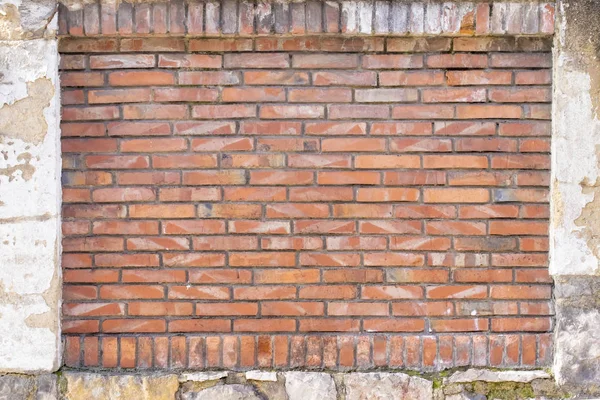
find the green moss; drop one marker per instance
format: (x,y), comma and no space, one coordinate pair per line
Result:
(505,390)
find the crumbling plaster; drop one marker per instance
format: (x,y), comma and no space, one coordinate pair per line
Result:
(575,204)
(30,196)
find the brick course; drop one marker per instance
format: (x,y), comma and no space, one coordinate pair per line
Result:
(304,201)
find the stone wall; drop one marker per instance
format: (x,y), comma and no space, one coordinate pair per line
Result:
(266,385)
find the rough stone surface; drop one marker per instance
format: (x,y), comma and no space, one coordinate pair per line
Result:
(30,182)
(575,204)
(225,392)
(27,387)
(262,376)
(89,386)
(26,19)
(310,386)
(203,376)
(577,350)
(485,375)
(389,386)
(339,386)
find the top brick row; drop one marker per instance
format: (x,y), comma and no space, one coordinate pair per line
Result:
(263,17)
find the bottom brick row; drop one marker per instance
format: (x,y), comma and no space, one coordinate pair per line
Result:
(333,352)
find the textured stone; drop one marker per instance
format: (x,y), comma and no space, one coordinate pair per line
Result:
(47,387)
(16,387)
(26,19)
(262,376)
(389,386)
(485,375)
(577,334)
(203,376)
(310,386)
(92,386)
(224,392)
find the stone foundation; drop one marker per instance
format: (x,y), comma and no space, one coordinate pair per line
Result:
(480,384)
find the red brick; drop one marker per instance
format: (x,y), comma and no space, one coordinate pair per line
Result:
(391,292)
(252,95)
(460,325)
(457,61)
(329,259)
(356,111)
(401,128)
(189,61)
(170,44)
(209,78)
(275,78)
(185,94)
(154,111)
(455,195)
(141,78)
(412,78)
(459,78)
(258,60)
(324,61)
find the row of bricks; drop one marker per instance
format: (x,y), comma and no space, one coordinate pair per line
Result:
(350,17)
(197,167)
(318,61)
(226,243)
(317,212)
(230,171)
(331,352)
(313,227)
(500,179)
(317,259)
(309,271)
(328,324)
(252,129)
(328,61)
(303,276)
(415,46)
(330,95)
(269,177)
(332,44)
(306,111)
(475,77)
(412,308)
(322,210)
(299,173)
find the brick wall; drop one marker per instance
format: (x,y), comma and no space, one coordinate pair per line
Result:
(353,199)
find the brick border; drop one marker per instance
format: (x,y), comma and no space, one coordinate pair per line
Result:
(335,352)
(247,18)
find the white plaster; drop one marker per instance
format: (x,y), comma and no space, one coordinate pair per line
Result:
(30,209)
(576,135)
(29,296)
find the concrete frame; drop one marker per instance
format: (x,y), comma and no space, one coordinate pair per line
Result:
(575,195)
(30,192)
